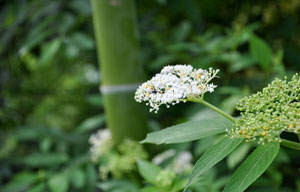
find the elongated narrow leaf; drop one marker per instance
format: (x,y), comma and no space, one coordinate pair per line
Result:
(254,166)
(189,131)
(43,159)
(212,156)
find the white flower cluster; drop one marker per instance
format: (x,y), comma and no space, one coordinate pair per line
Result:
(174,84)
(182,162)
(101,142)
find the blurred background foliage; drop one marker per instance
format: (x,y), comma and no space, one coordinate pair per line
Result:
(49,98)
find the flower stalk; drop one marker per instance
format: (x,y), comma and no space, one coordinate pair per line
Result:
(221,112)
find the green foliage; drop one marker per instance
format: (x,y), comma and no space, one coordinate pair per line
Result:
(39,58)
(259,160)
(189,131)
(212,156)
(120,161)
(211,49)
(261,52)
(278,103)
(60,158)
(164,180)
(148,171)
(50,103)
(20,182)
(46,74)
(58,183)
(118,186)
(238,155)
(91,123)
(280,95)
(44,159)
(77,177)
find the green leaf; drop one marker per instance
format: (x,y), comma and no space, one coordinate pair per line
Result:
(45,144)
(182,31)
(82,41)
(179,185)
(81,7)
(77,178)
(58,183)
(95,100)
(20,182)
(44,159)
(238,155)
(37,35)
(212,156)
(243,62)
(261,51)
(254,166)
(91,123)
(189,131)
(91,178)
(148,170)
(202,145)
(49,50)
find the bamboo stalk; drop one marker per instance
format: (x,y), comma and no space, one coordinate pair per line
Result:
(120,65)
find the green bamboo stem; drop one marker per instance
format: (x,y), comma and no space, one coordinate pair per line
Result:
(119,59)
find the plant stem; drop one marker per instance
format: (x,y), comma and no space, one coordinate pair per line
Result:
(223,113)
(290,144)
(117,44)
(299,137)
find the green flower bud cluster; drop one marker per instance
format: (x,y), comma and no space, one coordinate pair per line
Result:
(122,160)
(266,114)
(165,178)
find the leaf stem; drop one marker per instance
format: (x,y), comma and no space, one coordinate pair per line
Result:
(290,144)
(221,112)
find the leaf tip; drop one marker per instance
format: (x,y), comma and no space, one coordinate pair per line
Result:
(144,140)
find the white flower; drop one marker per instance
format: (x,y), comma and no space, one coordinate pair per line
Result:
(182,162)
(174,84)
(101,142)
